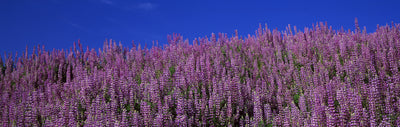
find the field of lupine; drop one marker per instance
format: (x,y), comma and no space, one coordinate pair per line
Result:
(317,77)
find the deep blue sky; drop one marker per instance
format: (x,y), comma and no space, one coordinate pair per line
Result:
(58,23)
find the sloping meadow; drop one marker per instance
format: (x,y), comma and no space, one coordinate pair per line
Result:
(318,77)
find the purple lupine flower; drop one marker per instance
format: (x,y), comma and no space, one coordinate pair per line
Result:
(385,121)
(267,113)
(124,121)
(241,122)
(257,108)
(198,108)
(388,106)
(356,116)
(302,104)
(135,119)
(72,114)
(166,114)
(314,120)
(4,117)
(295,115)
(181,121)
(229,107)
(60,69)
(365,118)
(247,120)
(158,122)
(343,107)
(146,113)
(331,107)
(372,102)
(180,108)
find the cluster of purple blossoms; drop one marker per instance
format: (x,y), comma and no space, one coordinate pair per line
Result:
(315,77)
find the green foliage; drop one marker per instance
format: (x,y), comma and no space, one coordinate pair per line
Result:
(337,104)
(312,67)
(127,106)
(296,99)
(298,66)
(366,80)
(343,76)
(12,84)
(138,79)
(242,79)
(260,64)
(239,47)
(2,69)
(172,70)
(82,114)
(341,60)
(107,97)
(223,51)
(136,106)
(284,55)
(158,73)
(222,104)
(332,72)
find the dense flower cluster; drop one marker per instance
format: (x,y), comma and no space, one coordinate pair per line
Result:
(318,77)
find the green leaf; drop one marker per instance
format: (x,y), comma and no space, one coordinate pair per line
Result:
(296,99)
(172,70)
